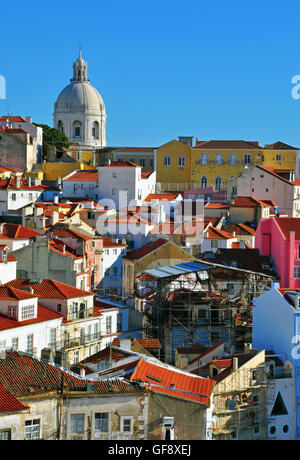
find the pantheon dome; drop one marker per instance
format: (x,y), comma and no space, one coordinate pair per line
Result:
(79,111)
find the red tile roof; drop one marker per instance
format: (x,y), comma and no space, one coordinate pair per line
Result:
(217,205)
(24,375)
(9,403)
(68,233)
(248,202)
(49,289)
(145,250)
(9,184)
(83,176)
(121,164)
(8,292)
(43,314)
(213,233)
(227,144)
(163,379)
(162,196)
(17,231)
(287,225)
(240,229)
(12,119)
(6,169)
(108,243)
(279,146)
(148,343)
(63,249)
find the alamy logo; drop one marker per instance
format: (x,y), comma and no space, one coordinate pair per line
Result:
(296,89)
(2,87)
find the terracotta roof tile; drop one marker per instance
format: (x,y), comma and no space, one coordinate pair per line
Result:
(9,403)
(17,231)
(146,249)
(83,176)
(213,233)
(49,289)
(148,343)
(163,379)
(248,202)
(287,225)
(227,144)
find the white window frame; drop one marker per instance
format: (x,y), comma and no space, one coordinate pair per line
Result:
(218,159)
(181,161)
(245,159)
(123,418)
(32,429)
(167,160)
(204,159)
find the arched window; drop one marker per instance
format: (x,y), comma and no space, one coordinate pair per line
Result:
(203,182)
(218,183)
(95,130)
(60,126)
(77,129)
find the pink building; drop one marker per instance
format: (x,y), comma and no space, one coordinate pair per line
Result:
(279,237)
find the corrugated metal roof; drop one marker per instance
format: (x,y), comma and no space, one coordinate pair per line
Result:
(177,270)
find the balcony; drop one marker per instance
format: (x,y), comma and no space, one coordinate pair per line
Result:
(81,340)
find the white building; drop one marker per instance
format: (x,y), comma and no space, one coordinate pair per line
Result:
(16,192)
(124,184)
(24,324)
(81,184)
(79,111)
(15,236)
(266,183)
(112,266)
(8,265)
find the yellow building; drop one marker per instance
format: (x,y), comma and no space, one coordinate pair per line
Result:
(182,166)
(173,166)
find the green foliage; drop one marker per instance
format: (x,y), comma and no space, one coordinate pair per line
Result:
(54,136)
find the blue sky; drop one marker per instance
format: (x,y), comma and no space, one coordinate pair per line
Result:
(210,69)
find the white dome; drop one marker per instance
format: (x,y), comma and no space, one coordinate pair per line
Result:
(80,97)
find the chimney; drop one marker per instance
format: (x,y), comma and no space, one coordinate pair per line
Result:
(55,199)
(28,181)
(235,364)
(29,119)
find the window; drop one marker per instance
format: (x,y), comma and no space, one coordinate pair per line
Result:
(95,130)
(256,429)
(218,183)
(132,160)
(27,312)
(181,161)
(5,435)
(204,182)
(119,322)
(32,429)
(297,271)
(115,175)
(247,159)
(204,158)
(219,159)
(127,424)
(285,429)
(142,162)
(101,422)
(52,337)
(13,197)
(30,196)
(29,343)
(167,160)
(254,376)
(12,312)
(114,191)
(233,159)
(214,243)
(77,423)
(76,356)
(77,131)
(15,343)
(58,308)
(151,163)
(278,157)
(108,325)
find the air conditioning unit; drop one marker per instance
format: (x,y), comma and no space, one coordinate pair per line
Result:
(47,354)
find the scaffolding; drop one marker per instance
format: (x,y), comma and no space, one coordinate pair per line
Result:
(190,308)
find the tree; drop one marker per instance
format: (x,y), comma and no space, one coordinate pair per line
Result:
(53,136)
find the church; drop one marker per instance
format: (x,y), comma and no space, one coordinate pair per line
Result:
(79,111)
